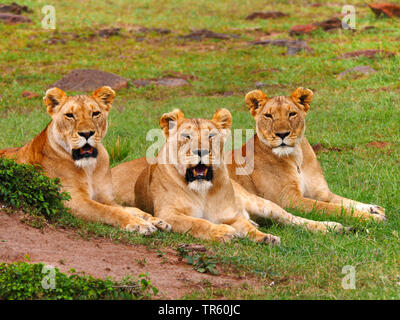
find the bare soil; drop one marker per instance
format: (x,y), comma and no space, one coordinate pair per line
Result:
(102,258)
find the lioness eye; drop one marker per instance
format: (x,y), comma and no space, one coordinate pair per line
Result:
(69,115)
(212,135)
(96,113)
(292,114)
(185,135)
(268,115)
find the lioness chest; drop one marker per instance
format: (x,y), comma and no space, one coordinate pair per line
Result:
(217,208)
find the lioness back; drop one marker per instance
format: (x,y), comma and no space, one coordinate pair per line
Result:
(124,177)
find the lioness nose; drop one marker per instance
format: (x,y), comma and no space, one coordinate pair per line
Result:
(86,134)
(282,135)
(201,152)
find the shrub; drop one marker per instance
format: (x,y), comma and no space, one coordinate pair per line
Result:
(21,280)
(24,186)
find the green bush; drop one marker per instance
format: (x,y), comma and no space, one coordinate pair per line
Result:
(24,186)
(22,281)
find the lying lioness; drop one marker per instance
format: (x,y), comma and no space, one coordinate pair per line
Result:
(189,186)
(286,169)
(70,148)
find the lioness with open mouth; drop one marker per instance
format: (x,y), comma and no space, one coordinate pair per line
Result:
(70,148)
(286,169)
(189,187)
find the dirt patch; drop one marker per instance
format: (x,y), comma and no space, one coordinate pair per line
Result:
(372,53)
(318,148)
(9,18)
(103,258)
(14,8)
(293,46)
(266,15)
(201,34)
(29,94)
(377,144)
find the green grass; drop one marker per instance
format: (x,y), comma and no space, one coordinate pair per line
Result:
(347,114)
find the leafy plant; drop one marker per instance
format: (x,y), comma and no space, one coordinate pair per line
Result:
(201,261)
(24,186)
(22,280)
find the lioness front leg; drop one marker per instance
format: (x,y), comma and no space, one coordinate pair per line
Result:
(197,227)
(90,210)
(359,206)
(333,208)
(263,208)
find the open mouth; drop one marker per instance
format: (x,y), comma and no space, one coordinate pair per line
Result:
(199,172)
(87,151)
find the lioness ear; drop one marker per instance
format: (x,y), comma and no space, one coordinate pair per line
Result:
(222,118)
(54,97)
(255,100)
(105,96)
(170,120)
(302,97)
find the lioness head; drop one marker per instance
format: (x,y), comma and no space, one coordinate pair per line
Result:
(280,121)
(79,123)
(196,146)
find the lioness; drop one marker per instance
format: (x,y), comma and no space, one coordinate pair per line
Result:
(192,190)
(286,169)
(70,148)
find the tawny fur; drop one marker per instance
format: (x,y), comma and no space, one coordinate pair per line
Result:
(219,213)
(291,175)
(87,180)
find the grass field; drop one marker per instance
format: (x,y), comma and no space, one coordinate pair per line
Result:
(346,115)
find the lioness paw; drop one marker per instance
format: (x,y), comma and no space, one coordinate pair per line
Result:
(375,212)
(160,224)
(269,238)
(140,226)
(374,209)
(224,233)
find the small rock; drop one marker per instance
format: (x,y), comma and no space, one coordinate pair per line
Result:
(332,23)
(142,83)
(363,70)
(14,8)
(89,80)
(172,82)
(204,33)
(302,29)
(164,82)
(29,95)
(294,46)
(9,18)
(266,15)
(372,53)
(386,9)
